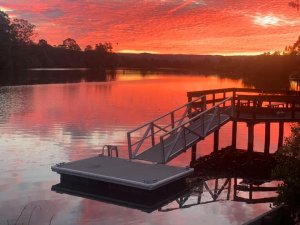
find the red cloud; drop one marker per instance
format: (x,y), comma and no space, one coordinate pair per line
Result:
(198,27)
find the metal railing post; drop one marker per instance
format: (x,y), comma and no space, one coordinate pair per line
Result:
(203,106)
(203,124)
(219,115)
(152,134)
(184,137)
(163,150)
(172,120)
(129,145)
(232,106)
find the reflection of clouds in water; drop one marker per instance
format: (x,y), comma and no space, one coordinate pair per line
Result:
(48,124)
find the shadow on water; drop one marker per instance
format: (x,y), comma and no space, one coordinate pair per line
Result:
(54,76)
(209,183)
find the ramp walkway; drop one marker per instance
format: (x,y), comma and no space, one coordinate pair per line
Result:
(173,133)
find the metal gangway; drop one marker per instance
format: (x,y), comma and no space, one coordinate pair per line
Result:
(167,136)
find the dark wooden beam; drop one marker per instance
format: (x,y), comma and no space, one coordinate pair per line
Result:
(216,140)
(234,132)
(267,137)
(281,133)
(250,137)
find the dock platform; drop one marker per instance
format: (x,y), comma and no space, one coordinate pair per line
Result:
(122,172)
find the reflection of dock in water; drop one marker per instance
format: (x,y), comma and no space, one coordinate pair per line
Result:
(197,191)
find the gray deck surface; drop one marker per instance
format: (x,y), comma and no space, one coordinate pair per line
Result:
(155,153)
(123,171)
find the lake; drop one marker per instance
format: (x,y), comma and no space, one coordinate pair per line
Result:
(41,125)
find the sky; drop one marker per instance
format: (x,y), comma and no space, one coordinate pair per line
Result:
(226,27)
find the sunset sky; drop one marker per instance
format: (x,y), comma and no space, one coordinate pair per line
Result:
(228,27)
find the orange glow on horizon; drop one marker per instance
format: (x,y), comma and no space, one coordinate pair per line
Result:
(167,27)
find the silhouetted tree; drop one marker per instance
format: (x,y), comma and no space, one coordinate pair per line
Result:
(105,47)
(22,31)
(5,40)
(70,44)
(288,170)
(88,48)
(43,43)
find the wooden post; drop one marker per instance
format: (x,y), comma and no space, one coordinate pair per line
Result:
(293,110)
(194,153)
(234,131)
(267,138)
(234,96)
(250,137)
(280,136)
(216,140)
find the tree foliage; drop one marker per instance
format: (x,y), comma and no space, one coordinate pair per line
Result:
(5,40)
(5,35)
(70,44)
(88,48)
(22,31)
(288,170)
(18,51)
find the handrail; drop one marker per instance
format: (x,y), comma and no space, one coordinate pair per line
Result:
(153,127)
(173,130)
(180,130)
(158,118)
(192,94)
(197,116)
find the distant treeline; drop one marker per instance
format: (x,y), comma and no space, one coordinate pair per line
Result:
(260,71)
(18,51)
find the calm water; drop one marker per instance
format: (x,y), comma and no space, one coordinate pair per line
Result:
(42,125)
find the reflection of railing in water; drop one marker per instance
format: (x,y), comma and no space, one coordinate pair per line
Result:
(200,187)
(252,188)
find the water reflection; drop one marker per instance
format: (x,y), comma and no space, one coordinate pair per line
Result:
(197,191)
(54,76)
(41,125)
